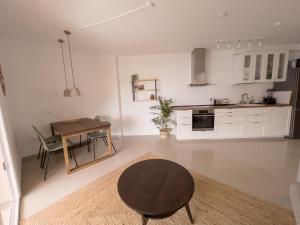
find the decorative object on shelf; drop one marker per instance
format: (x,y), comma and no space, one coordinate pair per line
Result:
(2,81)
(237,43)
(152,97)
(134,77)
(67,91)
(140,88)
(162,120)
(75,90)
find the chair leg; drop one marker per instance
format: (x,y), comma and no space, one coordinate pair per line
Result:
(88,143)
(105,141)
(42,159)
(72,152)
(70,155)
(94,149)
(47,164)
(40,149)
(113,147)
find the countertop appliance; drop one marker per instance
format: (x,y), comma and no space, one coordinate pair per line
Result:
(269,99)
(292,84)
(203,119)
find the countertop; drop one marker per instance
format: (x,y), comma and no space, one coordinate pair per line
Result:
(227,106)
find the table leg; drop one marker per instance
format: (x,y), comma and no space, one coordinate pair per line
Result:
(52,130)
(66,155)
(144,219)
(188,210)
(109,141)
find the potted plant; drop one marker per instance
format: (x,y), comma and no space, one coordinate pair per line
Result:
(162,118)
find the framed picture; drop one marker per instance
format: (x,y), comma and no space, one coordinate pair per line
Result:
(2,81)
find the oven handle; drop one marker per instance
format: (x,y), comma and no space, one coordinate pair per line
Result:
(198,115)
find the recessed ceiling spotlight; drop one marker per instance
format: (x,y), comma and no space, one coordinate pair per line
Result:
(218,45)
(239,44)
(222,14)
(260,43)
(249,44)
(278,23)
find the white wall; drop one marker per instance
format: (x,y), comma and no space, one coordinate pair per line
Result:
(174,70)
(35,83)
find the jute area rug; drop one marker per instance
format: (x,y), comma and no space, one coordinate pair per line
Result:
(213,203)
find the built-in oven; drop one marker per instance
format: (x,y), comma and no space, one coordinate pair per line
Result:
(203,119)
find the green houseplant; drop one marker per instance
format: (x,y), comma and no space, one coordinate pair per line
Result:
(162,119)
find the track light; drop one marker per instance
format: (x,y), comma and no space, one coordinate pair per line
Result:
(239,44)
(228,44)
(218,45)
(249,44)
(260,43)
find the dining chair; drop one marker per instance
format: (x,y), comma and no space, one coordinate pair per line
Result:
(94,136)
(48,140)
(53,147)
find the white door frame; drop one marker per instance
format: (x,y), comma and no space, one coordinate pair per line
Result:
(11,172)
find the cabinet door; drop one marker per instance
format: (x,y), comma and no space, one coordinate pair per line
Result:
(281,66)
(258,67)
(255,129)
(229,130)
(269,71)
(185,131)
(279,121)
(242,68)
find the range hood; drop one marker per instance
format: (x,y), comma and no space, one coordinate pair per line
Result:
(198,76)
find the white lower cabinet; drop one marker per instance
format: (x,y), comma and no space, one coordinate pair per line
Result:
(238,123)
(255,129)
(229,130)
(280,121)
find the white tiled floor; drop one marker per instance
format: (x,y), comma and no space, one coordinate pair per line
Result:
(263,168)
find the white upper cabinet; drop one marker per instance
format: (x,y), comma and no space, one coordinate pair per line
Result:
(260,67)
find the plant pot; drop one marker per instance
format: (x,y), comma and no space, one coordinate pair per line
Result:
(164,134)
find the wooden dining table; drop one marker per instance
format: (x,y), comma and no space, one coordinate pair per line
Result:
(77,127)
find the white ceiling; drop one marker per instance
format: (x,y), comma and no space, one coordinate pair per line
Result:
(170,26)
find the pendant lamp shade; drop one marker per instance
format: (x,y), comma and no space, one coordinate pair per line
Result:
(75,90)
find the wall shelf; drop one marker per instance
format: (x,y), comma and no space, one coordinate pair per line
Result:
(144,86)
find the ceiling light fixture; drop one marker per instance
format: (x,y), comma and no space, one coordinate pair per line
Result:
(260,43)
(249,44)
(147,4)
(218,45)
(222,14)
(278,23)
(67,91)
(75,90)
(239,44)
(228,45)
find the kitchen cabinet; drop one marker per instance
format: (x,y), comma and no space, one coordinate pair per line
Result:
(260,67)
(280,121)
(229,130)
(238,123)
(242,68)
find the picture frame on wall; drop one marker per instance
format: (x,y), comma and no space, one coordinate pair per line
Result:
(2,82)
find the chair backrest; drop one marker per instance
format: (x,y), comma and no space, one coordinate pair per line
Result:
(40,137)
(37,131)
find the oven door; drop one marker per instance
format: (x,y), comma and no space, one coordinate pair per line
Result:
(203,121)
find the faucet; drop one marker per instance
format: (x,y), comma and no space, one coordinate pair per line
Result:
(244,98)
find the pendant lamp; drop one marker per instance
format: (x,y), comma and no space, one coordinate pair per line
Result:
(74,91)
(67,91)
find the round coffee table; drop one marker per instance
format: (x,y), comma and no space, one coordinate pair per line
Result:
(156,188)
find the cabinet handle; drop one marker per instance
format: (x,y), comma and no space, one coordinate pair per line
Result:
(255,122)
(184,124)
(228,123)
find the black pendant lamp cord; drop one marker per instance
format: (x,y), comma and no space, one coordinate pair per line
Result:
(68,34)
(63,60)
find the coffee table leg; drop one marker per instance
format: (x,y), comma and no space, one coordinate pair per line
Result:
(188,210)
(144,219)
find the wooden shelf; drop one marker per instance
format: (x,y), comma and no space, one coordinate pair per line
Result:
(145,80)
(153,89)
(146,90)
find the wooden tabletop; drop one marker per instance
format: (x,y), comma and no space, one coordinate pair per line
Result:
(156,187)
(70,127)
